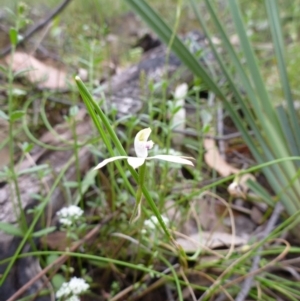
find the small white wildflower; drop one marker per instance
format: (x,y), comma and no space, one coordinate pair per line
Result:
(141,147)
(72,289)
(73,298)
(64,290)
(78,285)
(150,224)
(68,215)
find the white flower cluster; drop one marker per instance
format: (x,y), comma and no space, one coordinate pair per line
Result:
(68,215)
(150,224)
(72,289)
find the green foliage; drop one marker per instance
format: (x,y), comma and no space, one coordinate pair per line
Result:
(120,248)
(10,229)
(13,34)
(276,128)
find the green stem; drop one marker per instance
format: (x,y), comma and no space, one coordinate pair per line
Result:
(16,199)
(137,208)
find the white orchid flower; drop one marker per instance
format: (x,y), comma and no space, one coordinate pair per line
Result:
(141,147)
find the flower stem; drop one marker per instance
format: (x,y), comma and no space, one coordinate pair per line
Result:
(137,207)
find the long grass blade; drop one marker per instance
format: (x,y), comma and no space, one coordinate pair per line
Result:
(275,174)
(256,77)
(264,121)
(275,26)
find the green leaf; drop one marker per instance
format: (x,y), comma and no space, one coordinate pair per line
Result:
(44,232)
(71,184)
(57,281)
(10,229)
(88,180)
(16,115)
(33,169)
(13,36)
(73,111)
(27,147)
(51,258)
(21,8)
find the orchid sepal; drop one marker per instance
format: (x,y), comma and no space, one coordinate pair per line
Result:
(112,159)
(174,159)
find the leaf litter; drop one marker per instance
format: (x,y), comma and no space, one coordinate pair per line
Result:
(38,73)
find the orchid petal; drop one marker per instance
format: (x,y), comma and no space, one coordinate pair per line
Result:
(175,159)
(104,162)
(143,135)
(135,162)
(141,145)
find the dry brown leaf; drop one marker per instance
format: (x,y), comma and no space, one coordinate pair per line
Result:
(210,240)
(256,215)
(203,212)
(43,75)
(214,160)
(56,241)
